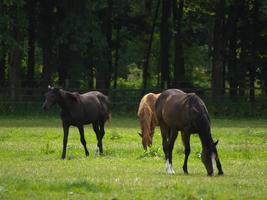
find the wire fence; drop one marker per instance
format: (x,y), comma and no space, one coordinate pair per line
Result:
(28,101)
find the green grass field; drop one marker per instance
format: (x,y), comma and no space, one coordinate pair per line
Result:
(31,168)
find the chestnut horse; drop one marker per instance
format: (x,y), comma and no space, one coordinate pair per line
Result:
(185,112)
(147,118)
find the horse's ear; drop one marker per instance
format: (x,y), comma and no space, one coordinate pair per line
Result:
(140,134)
(215,143)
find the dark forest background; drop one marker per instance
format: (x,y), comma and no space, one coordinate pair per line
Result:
(215,47)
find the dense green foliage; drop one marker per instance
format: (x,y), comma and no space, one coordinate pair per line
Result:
(31,168)
(103,43)
(216,48)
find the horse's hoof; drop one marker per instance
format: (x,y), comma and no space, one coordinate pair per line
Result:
(210,175)
(185,173)
(220,174)
(62,158)
(170,171)
(97,152)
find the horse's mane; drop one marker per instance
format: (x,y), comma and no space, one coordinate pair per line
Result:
(196,103)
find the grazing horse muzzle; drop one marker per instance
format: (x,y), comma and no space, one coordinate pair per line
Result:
(146,141)
(206,158)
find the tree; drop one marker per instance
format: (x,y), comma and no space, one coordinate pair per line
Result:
(165,43)
(46,35)
(149,41)
(31,8)
(179,69)
(232,28)
(217,80)
(16,29)
(254,50)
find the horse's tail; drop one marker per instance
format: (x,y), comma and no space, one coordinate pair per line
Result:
(106,106)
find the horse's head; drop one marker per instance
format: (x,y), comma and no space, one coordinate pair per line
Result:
(146,140)
(51,97)
(208,156)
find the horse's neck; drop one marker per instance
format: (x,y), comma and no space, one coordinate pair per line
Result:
(206,138)
(205,133)
(62,102)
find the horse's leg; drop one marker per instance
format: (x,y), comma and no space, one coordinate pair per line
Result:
(82,139)
(164,134)
(173,136)
(186,141)
(65,139)
(102,133)
(218,163)
(97,132)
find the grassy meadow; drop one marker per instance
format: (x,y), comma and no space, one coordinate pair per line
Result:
(31,168)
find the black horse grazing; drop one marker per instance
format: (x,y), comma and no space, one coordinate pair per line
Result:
(79,109)
(185,112)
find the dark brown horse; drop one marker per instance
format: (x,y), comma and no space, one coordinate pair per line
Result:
(78,110)
(147,118)
(185,112)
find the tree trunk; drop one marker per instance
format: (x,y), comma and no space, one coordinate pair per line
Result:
(64,65)
(47,66)
(117,47)
(101,76)
(264,75)
(148,51)
(31,43)
(217,82)
(2,65)
(15,63)
(244,28)
(252,67)
(242,70)
(109,41)
(15,55)
(232,55)
(179,70)
(165,43)
(48,23)
(90,77)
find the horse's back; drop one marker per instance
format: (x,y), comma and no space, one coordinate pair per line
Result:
(96,104)
(163,97)
(173,109)
(147,102)
(180,110)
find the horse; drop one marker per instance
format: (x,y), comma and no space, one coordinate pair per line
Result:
(185,112)
(78,110)
(147,118)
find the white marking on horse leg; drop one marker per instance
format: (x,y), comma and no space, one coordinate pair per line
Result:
(97,151)
(169,168)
